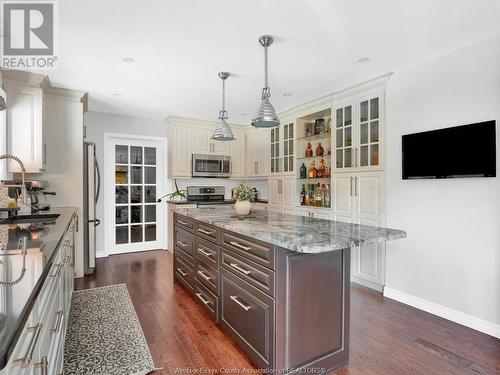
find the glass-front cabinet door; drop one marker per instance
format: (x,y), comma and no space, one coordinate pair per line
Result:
(369,132)
(343,134)
(275,150)
(288,152)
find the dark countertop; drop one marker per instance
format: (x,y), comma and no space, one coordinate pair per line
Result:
(16,301)
(202,203)
(293,232)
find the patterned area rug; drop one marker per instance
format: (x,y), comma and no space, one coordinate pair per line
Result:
(104,334)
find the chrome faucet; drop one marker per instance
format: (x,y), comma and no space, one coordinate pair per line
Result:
(23,171)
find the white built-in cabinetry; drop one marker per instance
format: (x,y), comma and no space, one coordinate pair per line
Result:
(281,194)
(203,144)
(25,119)
(257,155)
(238,150)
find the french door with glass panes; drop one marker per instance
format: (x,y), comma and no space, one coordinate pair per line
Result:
(358,134)
(134,176)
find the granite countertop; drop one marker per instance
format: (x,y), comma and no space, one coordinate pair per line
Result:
(201,203)
(296,233)
(16,300)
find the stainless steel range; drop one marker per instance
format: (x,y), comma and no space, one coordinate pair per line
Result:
(206,194)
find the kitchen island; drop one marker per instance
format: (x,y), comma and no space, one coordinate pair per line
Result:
(278,284)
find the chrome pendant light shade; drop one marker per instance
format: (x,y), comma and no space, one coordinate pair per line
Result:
(223,131)
(266,116)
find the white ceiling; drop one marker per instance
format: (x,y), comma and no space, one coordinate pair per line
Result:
(179,46)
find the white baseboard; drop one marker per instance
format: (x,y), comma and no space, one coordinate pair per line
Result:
(367,284)
(444,312)
(101,254)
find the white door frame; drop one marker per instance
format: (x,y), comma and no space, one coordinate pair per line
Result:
(109,193)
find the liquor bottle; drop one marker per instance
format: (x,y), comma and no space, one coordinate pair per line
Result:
(320,151)
(318,198)
(313,172)
(311,195)
(329,150)
(327,198)
(303,171)
(321,169)
(303,196)
(309,151)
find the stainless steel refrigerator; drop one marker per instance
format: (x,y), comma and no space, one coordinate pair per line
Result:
(92,187)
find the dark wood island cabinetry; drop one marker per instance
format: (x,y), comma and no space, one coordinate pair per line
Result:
(287,309)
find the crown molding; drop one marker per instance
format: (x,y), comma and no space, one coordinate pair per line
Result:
(194,121)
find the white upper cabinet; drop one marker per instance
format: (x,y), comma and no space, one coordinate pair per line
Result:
(25,126)
(203,144)
(238,154)
(358,133)
(257,153)
(180,152)
(282,148)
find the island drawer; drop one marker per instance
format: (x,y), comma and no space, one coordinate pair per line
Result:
(207,276)
(208,232)
(207,251)
(208,300)
(184,240)
(184,222)
(184,272)
(253,273)
(188,257)
(261,253)
(248,315)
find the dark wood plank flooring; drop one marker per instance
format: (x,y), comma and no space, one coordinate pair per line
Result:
(387,337)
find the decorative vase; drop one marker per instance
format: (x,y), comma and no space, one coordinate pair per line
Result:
(242,207)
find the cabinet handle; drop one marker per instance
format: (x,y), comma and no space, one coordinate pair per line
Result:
(202,274)
(42,365)
(237,244)
(182,244)
(56,273)
(203,299)
(236,266)
(256,167)
(56,328)
(243,306)
(350,187)
(355,156)
(26,359)
(206,253)
(181,271)
(356,186)
(182,222)
(204,231)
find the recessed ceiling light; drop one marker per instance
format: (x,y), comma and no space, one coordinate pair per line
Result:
(364,60)
(128,59)
(243,114)
(116,94)
(287,94)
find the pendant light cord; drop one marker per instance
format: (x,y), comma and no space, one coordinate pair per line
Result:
(266,91)
(223,114)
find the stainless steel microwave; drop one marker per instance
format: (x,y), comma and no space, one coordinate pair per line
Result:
(205,165)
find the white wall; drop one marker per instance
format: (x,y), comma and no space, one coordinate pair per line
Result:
(98,123)
(452,254)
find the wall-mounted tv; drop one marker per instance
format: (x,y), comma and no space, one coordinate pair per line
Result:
(460,151)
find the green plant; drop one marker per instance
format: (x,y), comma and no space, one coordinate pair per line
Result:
(177,194)
(244,192)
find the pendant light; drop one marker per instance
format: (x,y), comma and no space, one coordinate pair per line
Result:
(266,116)
(223,131)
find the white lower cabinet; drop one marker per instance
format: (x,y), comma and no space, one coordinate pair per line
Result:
(259,206)
(316,213)
(40,347)
(359,198)
(281,194)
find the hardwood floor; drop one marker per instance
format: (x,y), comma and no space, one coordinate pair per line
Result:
(386,337)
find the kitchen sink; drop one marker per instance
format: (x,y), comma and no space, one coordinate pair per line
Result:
(27,219)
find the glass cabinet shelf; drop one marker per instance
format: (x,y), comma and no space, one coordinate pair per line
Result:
(318,158)
(315,137)
(313,179)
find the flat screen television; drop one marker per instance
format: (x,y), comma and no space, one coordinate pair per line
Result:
(460,151)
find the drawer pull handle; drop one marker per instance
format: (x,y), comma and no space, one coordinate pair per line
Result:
(203,299)
(242,305)
(26,360)
(237,244)
(56,328)
(202,274)
(181,271)
(182,222)
(204,231)
(42,365)
(56,273)
(206,253)
(237,267)
(180,243)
